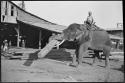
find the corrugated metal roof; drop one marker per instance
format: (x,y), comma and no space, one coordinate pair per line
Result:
(31,19)
(113,29)
(115,37)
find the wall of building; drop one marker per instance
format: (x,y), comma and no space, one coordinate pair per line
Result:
(8,12)
(117,43)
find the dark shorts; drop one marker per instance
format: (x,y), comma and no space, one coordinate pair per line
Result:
(88,23)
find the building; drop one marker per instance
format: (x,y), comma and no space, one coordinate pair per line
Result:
(18,24)
(116,36)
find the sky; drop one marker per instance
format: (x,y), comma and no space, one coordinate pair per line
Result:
(106,14)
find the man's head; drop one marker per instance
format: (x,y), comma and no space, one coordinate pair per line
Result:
(90,13)
(5,40)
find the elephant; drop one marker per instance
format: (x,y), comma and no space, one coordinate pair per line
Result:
(95,39)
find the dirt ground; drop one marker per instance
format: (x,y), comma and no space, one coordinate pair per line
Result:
(54,68)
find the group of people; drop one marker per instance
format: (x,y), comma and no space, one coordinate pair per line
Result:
(22,42)
(6,45)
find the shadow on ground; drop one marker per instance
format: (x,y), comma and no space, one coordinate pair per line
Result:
(31,58)
(60,54)
(120,69)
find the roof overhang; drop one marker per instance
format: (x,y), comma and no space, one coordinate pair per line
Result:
(31,19)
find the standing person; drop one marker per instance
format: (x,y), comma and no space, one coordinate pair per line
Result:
(2,46)
(9,43)
(23,43)
(5,48)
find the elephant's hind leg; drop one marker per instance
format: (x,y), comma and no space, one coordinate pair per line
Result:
(106,52)
(95,57)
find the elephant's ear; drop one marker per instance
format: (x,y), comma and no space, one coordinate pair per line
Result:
(79,34)
(65,34)
(80,31)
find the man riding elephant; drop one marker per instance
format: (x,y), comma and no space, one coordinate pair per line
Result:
(90,19)
(90,22)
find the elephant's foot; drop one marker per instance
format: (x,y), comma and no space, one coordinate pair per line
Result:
(94,61)
(100,60)
(80,61)
(107,66)
(73,64)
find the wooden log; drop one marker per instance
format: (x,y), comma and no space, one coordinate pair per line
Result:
(47,48)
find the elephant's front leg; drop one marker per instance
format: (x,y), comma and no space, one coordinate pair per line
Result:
(74,61)
(82,51)
(75,58)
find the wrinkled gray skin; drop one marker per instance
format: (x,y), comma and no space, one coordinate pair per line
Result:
(96,40)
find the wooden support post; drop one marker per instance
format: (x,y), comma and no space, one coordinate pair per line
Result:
(118,42)
(40,39)
(18,35)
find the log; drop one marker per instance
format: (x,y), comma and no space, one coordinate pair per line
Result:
(47,48)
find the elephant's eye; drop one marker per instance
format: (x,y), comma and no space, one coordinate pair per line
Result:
(76,33)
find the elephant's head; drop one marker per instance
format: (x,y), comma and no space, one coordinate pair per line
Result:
(74,31)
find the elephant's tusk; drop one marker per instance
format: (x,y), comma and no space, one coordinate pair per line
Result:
(61,42)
